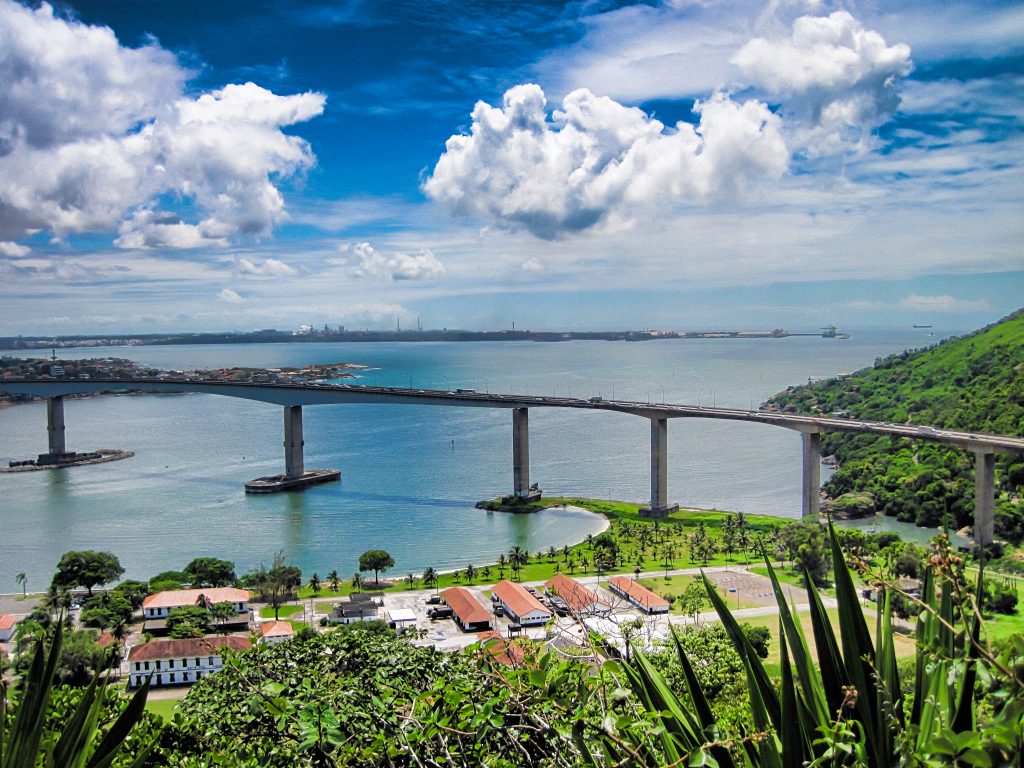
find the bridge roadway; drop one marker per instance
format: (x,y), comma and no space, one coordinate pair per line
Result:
(293,396)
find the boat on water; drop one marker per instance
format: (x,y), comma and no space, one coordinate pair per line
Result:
(921,326)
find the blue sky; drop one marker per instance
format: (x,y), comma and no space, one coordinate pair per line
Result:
(687,164)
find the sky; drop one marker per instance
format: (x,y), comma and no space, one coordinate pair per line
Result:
(685,164)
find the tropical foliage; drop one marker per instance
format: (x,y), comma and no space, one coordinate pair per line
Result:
(974,383)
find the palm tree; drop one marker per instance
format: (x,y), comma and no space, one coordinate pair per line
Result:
(470,573)
(22,579)
(357,581)
(410,579)
(502,562)
(429,577)
(334,581)
(486,571)
(314,584)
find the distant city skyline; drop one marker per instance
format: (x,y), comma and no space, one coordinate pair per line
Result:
(602,165)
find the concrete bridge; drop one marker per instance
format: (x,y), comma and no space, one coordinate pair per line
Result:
(292,397)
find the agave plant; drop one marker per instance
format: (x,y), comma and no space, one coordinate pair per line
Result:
(26,743)
(846,706)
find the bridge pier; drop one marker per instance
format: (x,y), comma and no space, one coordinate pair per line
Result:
(810,504)
(659,506)
(295,476)
(55,425)
(521,454)
(294,463)
(984,497)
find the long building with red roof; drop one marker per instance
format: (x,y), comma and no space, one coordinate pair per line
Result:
(180,662)
(638,595)
(519,605)
(579,599)
(470,615)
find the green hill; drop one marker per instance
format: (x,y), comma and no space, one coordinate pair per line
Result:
(973,382)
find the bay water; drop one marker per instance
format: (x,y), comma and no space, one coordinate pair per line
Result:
(410,474)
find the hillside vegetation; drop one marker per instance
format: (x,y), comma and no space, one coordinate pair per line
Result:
(974,382)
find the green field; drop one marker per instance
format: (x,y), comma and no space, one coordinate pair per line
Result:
(164,708)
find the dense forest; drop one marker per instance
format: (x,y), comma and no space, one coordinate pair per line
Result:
(973,382)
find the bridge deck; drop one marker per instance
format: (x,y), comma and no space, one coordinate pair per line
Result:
(338,394)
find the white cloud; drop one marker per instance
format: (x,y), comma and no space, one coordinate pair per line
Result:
(532,264)
(369,262)
(943,303)
(8,248)
(837,81)
(597,162)
(94,136)
(265,268)
(230,297)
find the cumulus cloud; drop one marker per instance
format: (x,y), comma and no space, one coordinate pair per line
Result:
(265,268)
(97,137)
(943,303)
(8,248)
(836,80)
(596,161)
(230,297)
(369,262)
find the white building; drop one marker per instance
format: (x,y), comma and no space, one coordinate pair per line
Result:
(180,662)
(519,605)
(7,622)
(276,632)
(158,606)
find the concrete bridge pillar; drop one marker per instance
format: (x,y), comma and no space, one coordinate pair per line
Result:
(811,496)
(984,498)
(521,452)
(659,506)
(293,461)
(55,425)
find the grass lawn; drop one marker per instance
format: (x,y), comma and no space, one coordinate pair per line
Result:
(904,643)
(164,708)
(672,530)
(283,612)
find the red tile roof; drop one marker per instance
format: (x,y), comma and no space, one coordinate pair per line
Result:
(638,592)
(191,646)
(576,596)
(7,621)
(175,598)
(277,629)
(501,650)
(466,607)
(518,599)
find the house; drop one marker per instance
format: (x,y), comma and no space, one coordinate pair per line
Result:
(180,662)
(469,614)
(7,622)
(158,606)
(519,605)
(400,619)
(505,652)
(580,600)
(272,632)
(638,595)
(360,607)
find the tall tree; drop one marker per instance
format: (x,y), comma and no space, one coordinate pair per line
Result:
(87,568)
(357,581)
(22,579)
(210,572)
(376,560)
(314,584)
(334,581)
(429,577)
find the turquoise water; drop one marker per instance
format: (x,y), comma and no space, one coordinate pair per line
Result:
(410,474)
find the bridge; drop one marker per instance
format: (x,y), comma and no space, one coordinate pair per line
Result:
(292,397)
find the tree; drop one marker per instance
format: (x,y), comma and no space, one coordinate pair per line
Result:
(410,579)
(429,577)
(22,579)
(277,584)
(314,584)
(693,599)
(210,572)
(376,560)
(222,613)
(106,610)
(470,573)
(188,621)
(334,581)
(357,581)
(87,568)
